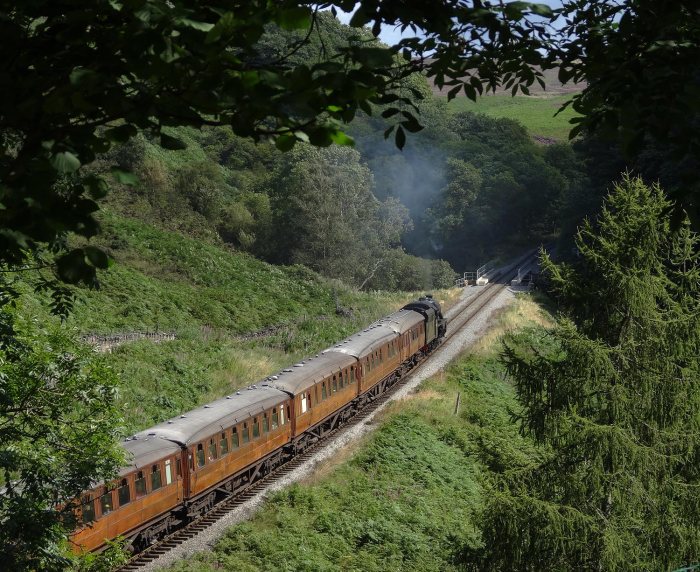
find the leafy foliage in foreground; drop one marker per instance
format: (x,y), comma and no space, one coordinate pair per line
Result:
(58,430)
(612,395)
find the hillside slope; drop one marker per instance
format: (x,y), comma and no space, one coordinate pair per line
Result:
(235,318)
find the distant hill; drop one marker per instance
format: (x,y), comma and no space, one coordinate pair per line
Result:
(536,111)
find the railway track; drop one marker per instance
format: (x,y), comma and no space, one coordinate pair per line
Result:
(465,315)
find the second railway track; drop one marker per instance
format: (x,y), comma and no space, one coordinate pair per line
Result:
(464,316)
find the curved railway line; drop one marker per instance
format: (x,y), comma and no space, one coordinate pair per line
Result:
(470,309)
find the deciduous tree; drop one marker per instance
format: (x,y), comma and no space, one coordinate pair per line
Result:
(58,429)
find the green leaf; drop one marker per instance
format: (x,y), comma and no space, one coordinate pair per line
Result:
(412,125)
(514,10)
(72,267)
(359,18)
(172,143)
(224,27)
(121,133)
(65,162)
(390,112)
(376,57)
(124,177)
(285,142)
(541,10)
(202,26)
(80,76)
(96,186)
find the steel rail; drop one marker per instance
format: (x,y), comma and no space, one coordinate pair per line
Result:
(470,310)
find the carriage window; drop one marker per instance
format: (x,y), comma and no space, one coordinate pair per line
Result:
(352,373)
(200,455)
(156,482)
(124,493)
(178,467)
(282,422)
(324,393)
(303,403)
(234,437)
(381,357)
(335,384)
(140,484)
(246,433)
(288,413)
(266,426)
(223,443)
(106,503)
(88,511)
(213,454)
(168,472)
(256,428)
(275,419)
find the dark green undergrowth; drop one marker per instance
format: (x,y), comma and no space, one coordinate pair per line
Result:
(411,498)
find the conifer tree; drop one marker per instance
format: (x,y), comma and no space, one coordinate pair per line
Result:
(611,395)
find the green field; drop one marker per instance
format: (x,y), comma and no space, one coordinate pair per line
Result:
(536,113)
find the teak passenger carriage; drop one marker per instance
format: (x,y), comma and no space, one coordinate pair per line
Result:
(180,468)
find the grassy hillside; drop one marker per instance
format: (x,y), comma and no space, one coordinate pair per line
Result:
(411,496)
(213,298)
(536,113)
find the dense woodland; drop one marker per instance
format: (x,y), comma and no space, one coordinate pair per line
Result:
(161,162)
(464,190)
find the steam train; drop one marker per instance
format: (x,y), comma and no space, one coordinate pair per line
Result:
(180,468)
